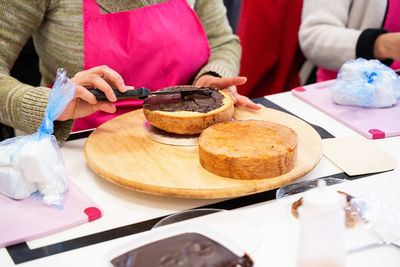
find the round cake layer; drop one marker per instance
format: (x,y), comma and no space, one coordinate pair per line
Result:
(248,149)
(190,122)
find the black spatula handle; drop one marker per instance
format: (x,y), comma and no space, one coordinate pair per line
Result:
(140,93)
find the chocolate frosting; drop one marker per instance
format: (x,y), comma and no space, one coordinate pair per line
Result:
(204,100)
(184,250)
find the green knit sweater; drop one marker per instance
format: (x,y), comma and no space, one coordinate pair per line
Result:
(57,30)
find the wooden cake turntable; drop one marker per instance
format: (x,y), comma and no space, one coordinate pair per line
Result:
(121,152)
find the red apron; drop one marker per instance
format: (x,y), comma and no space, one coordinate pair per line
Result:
(392,24)
(271,56)
(155,46)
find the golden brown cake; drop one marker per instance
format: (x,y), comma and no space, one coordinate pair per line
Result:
(202,111)
(248,149)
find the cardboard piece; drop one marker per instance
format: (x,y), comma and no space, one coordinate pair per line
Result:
(356,156)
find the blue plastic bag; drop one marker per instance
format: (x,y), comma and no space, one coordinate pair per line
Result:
(366,83)
(33,162)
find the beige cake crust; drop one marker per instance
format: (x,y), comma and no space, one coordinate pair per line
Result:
(249,149)
(189,122)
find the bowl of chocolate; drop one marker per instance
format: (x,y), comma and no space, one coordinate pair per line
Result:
(188,114)
(186,246)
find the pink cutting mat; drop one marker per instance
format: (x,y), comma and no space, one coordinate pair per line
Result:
(27,219)
(373,123)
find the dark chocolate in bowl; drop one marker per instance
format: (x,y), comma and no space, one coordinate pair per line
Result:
(185,250)
(203,101)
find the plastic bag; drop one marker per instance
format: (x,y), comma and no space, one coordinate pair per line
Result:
(366,83)
(33,162)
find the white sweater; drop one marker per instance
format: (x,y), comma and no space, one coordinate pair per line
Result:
(334,31)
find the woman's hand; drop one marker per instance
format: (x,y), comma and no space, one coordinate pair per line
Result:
(387,46)
(229,84)
(84,103)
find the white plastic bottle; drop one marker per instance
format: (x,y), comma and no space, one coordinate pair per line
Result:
(322,228)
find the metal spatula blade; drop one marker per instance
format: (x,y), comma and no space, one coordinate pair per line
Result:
(142,93)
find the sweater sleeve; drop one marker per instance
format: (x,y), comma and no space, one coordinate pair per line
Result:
(22,106)
(225,55)
(323,35)
(366,43)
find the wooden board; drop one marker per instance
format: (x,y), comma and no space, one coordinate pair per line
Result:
(119,151)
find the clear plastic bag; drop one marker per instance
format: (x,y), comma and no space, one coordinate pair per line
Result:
(366,83)
(33,162)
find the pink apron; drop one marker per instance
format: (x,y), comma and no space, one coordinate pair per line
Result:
(155,46)
(392,24)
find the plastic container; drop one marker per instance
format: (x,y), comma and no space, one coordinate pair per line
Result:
(186,215)
(173,230)
(288,194)
(322,228)
(220,221)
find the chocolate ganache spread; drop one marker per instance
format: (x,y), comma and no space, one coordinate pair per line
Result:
(184,250)
(203,100)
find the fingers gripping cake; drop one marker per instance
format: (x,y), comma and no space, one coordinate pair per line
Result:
(248,149)
(188,114)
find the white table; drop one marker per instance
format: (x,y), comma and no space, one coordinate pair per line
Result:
(279,233)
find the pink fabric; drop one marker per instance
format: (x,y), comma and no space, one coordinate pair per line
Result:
(325,74)
(155,46)
(392,24)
